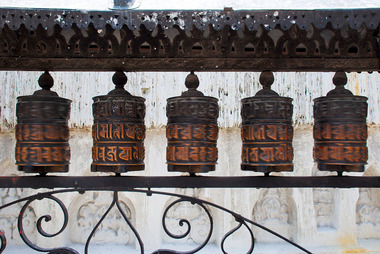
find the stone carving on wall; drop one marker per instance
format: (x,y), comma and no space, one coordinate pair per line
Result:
(274,209)
(368,214)
(324,207)
(113,229)
(199,221)
(9,215)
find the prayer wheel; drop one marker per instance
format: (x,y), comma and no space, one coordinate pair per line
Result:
(118,131)
(340,129)
(267,131)
(192,130)
(42,131)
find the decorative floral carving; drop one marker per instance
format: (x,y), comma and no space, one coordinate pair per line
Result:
(272,206)
(9,215)
(366,210)
(274,209)
(113,227)
(368,214)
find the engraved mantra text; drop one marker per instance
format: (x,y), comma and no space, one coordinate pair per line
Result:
(42,155)
(270,132)
(38,132)
(118,153)
(118,132)
(273,154)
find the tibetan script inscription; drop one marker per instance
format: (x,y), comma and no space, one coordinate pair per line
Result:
(192,133)
(194,108)
(123,108)
(118,131)
(51,109)
(201,132)
(42,155)
(347,109)
(266,109)
(267,132)
(282,153)
(342,131)
(118,154)
(41,132)
(191,154)
(341,154)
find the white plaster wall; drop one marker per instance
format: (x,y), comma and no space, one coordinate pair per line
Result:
(228,87)
(352,216)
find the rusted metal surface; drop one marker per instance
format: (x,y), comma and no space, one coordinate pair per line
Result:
(340,129)
(118,131)
(267,131)
(192,130)
(322,40)
(42,131)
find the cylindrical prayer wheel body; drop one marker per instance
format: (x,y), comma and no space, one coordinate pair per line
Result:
(340,133)
(118,133)
(267,134)
(192,133)
(42,134)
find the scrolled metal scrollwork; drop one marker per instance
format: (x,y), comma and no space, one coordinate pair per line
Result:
(3,241)
(205,205)
(46,218)
(241,223)
(181,223)
(114,202)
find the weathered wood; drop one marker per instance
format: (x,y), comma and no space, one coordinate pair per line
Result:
(189,64)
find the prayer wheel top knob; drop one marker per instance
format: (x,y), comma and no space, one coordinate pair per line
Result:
(192,83)
(46,82)
(119,79)
(340,80)
(266,80)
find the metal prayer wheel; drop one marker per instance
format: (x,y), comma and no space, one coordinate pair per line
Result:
(118,131)
(42,131)
(192,130)
(267,131)
(340,129)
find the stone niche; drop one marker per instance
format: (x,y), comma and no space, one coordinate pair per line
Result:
(368,210)
(275,208)
(86,211)
(9,216)
(194,214)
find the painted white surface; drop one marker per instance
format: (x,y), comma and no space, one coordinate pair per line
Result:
(156,87)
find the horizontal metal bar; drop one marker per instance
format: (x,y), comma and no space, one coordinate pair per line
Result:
(128,182)
(189,64)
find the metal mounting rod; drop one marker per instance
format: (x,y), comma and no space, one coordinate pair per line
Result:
(129,182)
